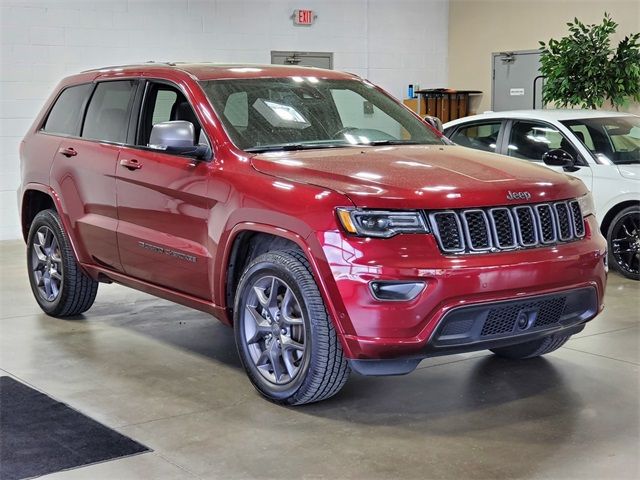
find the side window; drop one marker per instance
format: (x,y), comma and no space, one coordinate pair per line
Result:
(236,110)
(531,140)
(107,117)
(481,136)
(165,100)
(165,103)
(66,114)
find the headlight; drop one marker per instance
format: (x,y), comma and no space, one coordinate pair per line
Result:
(586,205)
(381,223)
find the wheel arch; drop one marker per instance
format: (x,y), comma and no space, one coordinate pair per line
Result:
(612,212)
(233,257)
(246,242)
(37,197)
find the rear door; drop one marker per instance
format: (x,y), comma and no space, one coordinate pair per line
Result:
(163,206)
(85,166)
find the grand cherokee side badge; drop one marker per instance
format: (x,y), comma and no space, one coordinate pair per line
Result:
(518,195)
(166,251)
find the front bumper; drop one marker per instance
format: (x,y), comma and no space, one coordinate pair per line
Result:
(374,329)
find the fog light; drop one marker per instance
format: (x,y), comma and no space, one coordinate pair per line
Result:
(395,291)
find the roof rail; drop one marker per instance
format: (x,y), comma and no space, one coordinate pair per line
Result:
(170,64)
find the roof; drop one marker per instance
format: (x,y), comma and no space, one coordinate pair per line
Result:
(214,71)
(549,115)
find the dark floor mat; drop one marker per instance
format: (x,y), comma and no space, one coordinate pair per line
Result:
(39,435)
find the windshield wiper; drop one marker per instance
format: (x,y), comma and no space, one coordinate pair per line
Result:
(395,142)
(295,146)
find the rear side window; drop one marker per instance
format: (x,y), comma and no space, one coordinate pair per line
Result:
(107,116)
(481,136)
(66,115)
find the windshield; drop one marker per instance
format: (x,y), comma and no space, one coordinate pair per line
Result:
(610,140)
(294,113)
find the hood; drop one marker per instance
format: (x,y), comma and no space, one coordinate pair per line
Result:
(420,176)
(630,171)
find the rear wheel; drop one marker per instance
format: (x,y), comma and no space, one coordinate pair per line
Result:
(59,286)
(532,349)
(623,239)
(286,341)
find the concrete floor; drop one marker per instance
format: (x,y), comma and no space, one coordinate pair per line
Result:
(169,377)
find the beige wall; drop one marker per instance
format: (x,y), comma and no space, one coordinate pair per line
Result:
(479,27)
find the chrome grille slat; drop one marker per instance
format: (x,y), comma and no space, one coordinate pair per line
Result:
(478,230)
(565,230)
(547,223)
(578,221)
(526,230)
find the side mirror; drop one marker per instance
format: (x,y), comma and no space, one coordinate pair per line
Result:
(435,122)
(176,137)
(559,158)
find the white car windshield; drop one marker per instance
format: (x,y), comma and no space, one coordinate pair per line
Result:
(295,113)
(610,140)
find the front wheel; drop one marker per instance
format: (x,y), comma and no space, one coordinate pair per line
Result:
(286,341)
(623,239)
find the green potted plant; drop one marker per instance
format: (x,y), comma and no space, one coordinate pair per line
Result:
(584,70)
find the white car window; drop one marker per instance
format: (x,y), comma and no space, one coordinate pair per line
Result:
(481,136)
(530,140)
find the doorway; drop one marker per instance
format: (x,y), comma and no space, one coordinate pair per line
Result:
(303,59)
(517,83)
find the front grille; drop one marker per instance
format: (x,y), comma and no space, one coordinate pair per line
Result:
(503,320)
(506,228)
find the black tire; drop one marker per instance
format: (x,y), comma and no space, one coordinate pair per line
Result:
(623,242)
(322,369)
(76,291)
(532,349)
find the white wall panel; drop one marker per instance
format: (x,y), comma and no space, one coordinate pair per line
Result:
(391,42)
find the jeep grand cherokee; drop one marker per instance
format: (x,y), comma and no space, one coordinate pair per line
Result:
(331,227)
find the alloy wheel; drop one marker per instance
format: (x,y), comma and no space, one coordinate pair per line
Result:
(274,330)
(46,264)
(625,243)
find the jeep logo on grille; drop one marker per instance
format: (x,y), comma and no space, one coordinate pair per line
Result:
(518,195)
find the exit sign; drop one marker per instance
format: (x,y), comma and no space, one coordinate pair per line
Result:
(303,17)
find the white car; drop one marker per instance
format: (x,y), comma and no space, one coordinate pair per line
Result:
(601,148)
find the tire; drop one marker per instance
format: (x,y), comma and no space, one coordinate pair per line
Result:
(623,242)
(532,349)
(68,290)
(287,342)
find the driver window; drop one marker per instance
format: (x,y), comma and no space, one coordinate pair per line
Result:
(530,140)
(355,110)
(164,103)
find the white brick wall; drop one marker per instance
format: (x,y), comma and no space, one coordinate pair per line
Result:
(390,42)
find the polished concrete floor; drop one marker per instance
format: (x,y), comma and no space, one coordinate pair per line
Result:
(169,377)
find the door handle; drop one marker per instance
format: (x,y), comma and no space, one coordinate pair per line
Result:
(132,164)
(68,152)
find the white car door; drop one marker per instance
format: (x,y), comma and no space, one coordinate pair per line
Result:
(529,140)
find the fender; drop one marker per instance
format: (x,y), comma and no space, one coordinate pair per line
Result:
(315,256)
(64,218)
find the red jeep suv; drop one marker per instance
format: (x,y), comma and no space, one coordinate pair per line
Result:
(334,229)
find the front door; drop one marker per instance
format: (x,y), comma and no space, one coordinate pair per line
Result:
(162,203)
(531,139)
